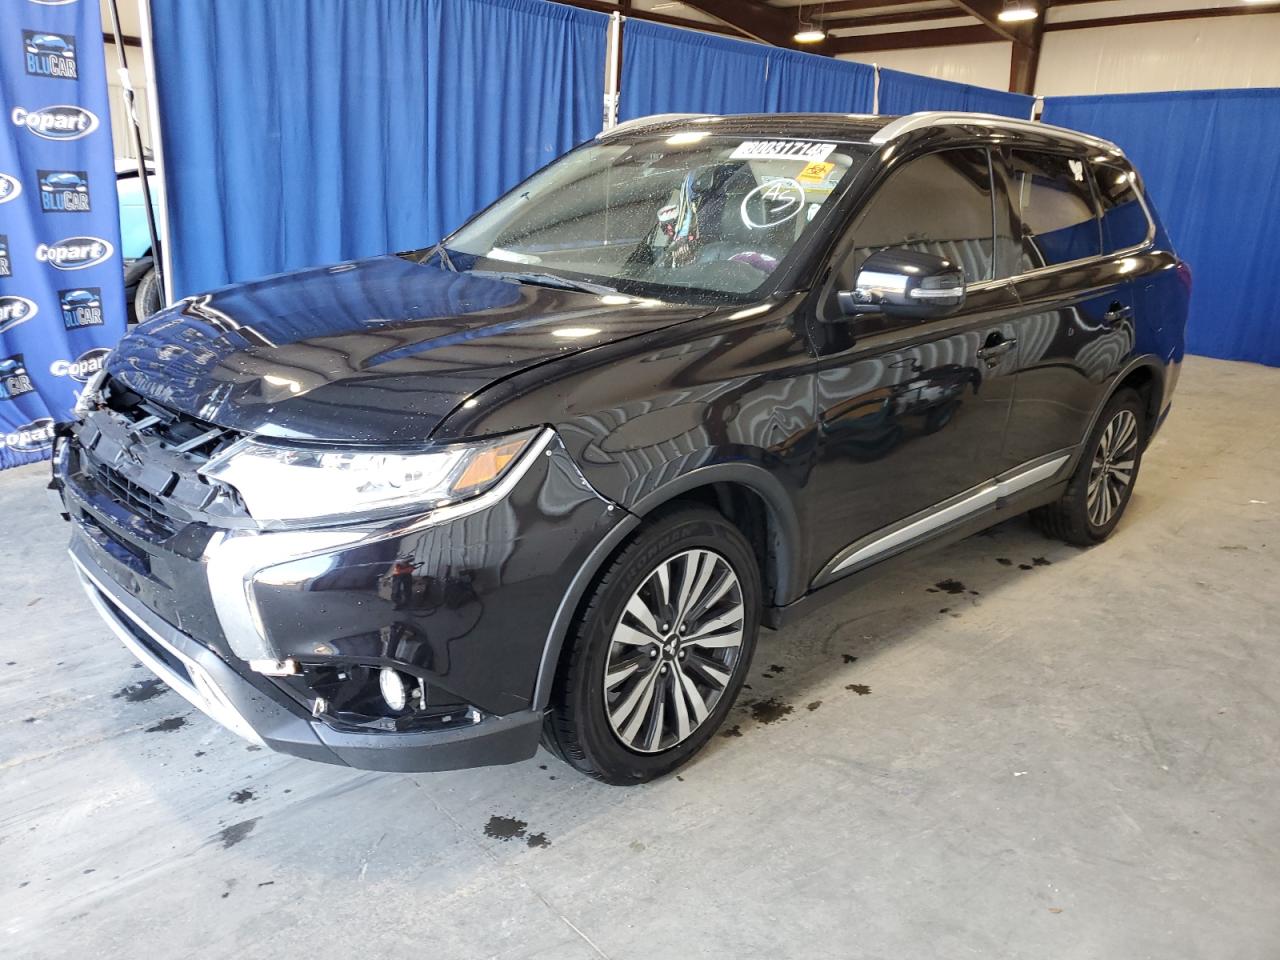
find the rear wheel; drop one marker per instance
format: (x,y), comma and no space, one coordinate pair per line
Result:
(660,651)
(1103,482)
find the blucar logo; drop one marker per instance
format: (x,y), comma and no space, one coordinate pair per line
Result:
(62,121)
(81,307)
(74,253)
(82,367)
(6,269)
(30,437)
(15,310)
(14,379)
(50,54)
(10,187)
(64,191)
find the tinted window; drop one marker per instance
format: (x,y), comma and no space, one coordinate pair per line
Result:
(1124,222)
(939,204)
(1054,204)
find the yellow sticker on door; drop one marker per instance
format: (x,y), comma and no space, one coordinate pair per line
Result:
(816,172)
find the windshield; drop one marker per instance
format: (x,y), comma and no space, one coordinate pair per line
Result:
(689,215)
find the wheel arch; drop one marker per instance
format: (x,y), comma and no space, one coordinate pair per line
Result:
(729,487)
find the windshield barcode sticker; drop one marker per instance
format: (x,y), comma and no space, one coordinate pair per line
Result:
(783,150)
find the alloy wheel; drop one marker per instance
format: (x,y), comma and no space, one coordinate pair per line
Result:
(674,650)
(1111,472)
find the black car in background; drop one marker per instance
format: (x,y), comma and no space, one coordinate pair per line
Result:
(545,480)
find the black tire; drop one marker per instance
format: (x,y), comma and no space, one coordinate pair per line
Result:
(577,728)
(1070,518)
(148,298)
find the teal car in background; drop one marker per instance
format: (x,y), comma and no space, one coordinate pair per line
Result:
(142,291)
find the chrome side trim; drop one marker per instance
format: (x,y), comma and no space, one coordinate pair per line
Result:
(201,691)
(234,559)
(936,118)
(919,526)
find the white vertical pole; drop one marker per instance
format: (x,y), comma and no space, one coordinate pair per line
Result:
(875,90)
(157,147)
(1037,108)
(612,70)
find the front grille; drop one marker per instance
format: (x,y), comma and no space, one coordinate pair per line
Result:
(136,499)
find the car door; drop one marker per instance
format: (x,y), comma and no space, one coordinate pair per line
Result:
(911,414)
(1075,328)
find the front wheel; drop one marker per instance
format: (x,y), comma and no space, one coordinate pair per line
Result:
(660,651)
(1103,482)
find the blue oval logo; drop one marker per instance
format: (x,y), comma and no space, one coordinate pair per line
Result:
(10,187)
(15,310)
(82,367)
(30,437)
(63,121)
(75,253)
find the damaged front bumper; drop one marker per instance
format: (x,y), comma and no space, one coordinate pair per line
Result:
(280,635)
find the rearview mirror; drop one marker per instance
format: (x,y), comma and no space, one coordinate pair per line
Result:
(900,282)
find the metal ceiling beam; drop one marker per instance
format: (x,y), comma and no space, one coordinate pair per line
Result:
(830,11)
(775,25)
(988,11)
(600,6)
(1164,15)
(910,39)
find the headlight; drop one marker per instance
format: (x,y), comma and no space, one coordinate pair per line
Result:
(282,483)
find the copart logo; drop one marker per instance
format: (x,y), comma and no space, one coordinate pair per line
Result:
(60,122)
(64,191)
(82,367)
(50,54)
(81,307)
(30,437)
(15,310)
(10,187)
(6,268)
(74,253)
(14,379)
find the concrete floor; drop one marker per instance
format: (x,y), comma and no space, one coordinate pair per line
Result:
(1076,755)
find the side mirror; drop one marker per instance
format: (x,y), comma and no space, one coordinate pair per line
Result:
(900,282)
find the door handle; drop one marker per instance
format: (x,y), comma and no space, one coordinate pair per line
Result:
(1118,312)
(992,352)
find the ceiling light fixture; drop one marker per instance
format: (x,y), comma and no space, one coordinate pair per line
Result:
(807,31)
(1017,11)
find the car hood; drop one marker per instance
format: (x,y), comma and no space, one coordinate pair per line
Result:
(377,351)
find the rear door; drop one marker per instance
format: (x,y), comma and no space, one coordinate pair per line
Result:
(1075,327)
(911,413)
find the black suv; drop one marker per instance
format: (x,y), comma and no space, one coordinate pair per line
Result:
(546,479)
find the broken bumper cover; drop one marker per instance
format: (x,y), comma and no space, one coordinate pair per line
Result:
(462,599)
(240,704)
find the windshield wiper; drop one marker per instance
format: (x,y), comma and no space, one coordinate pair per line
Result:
(545,280)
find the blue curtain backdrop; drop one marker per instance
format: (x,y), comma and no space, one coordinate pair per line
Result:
(804,83)
(671,70)
(1209,160)
(906,93)
(311,132)
(61,279)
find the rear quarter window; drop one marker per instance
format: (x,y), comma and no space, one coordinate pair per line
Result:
(1053,201)
(1124,220)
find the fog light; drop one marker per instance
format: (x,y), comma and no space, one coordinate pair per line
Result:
(393,688)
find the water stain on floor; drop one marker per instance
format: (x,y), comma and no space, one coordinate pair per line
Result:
(511,828)
(860,689)
(242,796)
(813,706)
(848,657)
(950,585)
(734,731)
(142,691)
(167,726)
(770,711)
(230,836)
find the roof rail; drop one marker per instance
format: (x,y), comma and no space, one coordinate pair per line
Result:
(936,118)
(652,120)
